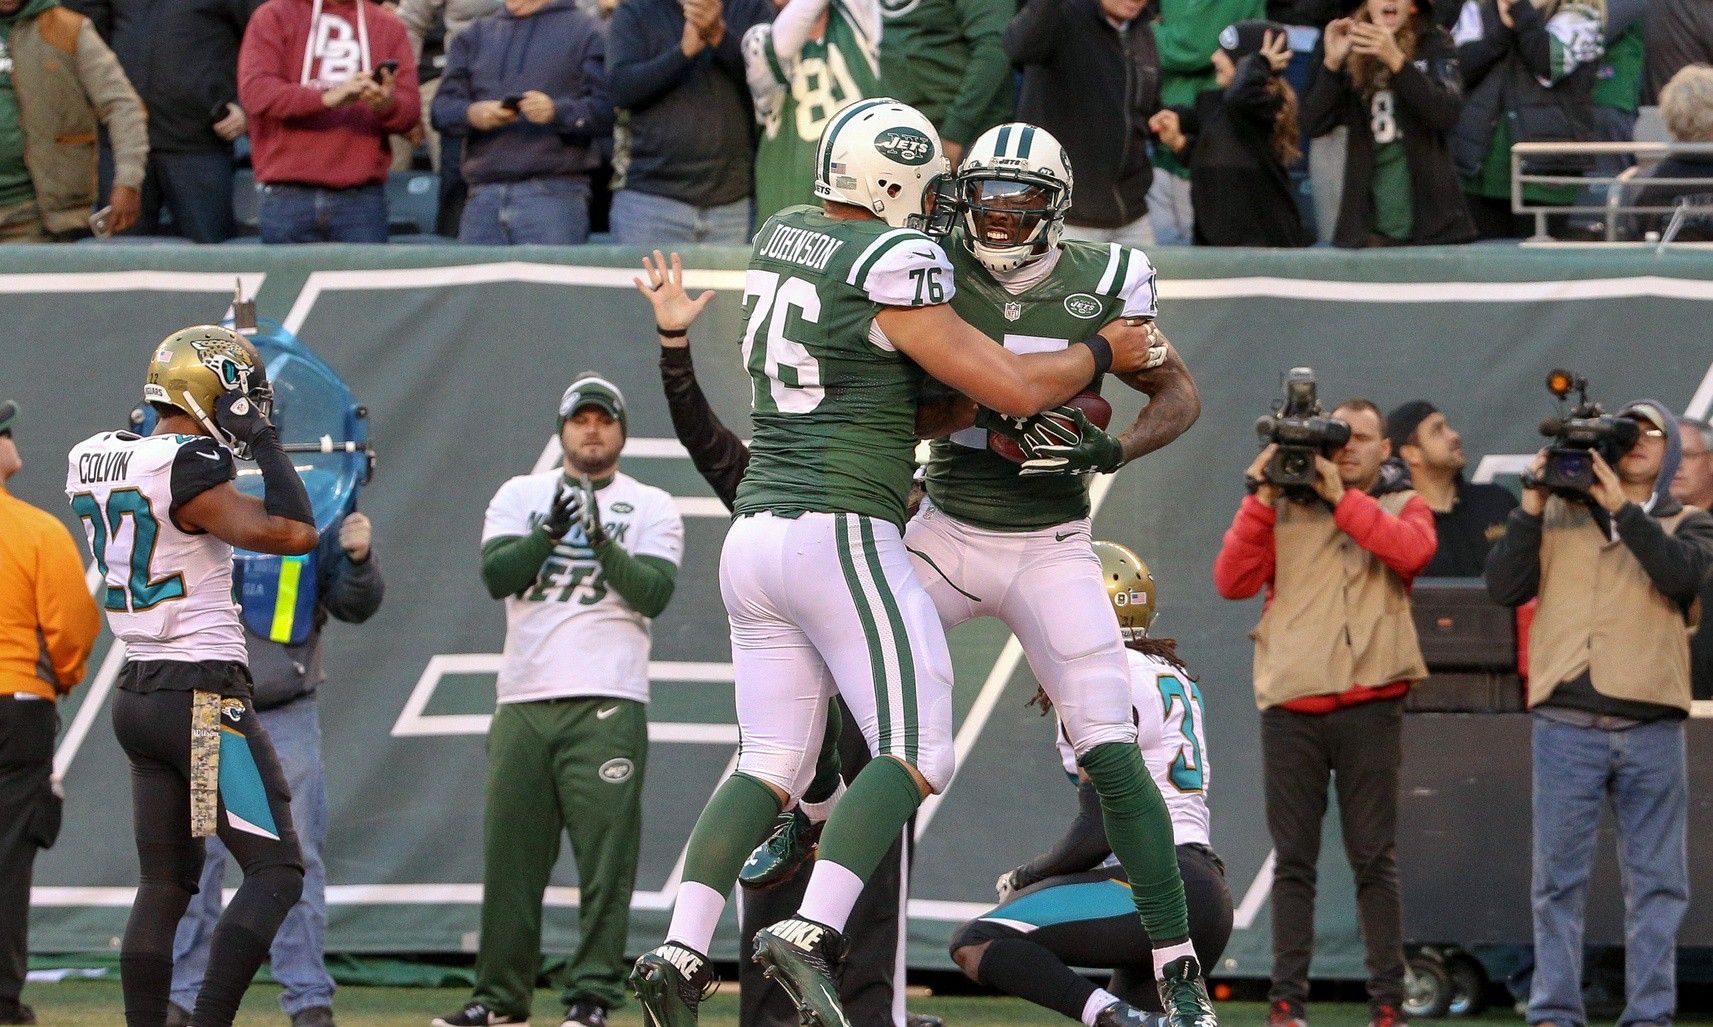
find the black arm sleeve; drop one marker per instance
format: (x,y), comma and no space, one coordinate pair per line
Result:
(199,466)
(717,452)
(1678,563)
(1082,848)
(1513,569)
(283,492)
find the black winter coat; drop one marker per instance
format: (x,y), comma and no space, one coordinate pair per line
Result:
(1240,190)
(1501,79)
(1428,96)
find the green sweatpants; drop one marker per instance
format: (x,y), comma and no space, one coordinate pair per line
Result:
(576,765)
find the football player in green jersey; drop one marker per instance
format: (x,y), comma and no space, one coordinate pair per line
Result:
(846,309)
(994,539)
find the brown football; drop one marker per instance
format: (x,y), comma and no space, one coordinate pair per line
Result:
(1097,410)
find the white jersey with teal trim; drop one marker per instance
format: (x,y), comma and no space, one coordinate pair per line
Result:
(167,592)
(569,634)
(1173,738)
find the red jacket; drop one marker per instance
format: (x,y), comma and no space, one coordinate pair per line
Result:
(293,136)
(1405,544)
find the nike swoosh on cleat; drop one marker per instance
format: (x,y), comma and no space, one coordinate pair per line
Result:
(604,714)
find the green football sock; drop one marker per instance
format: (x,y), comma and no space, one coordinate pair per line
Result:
(870,815)
(737,816)
(828,764)
(1139,828)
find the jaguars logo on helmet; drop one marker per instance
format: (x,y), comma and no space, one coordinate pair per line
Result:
(1014,187)
(192,368)
(883,156)
(1130,587)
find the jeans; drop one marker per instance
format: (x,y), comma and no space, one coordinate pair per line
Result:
(195,190)
(298,213)
(298,947)
(644,219)
(1611,125)
(544,211)
(1357,750)
(1170,210)
(1643,771)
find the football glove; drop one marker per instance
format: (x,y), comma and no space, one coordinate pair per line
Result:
(1052,448)
(588,513)
(242,420)
(1009,883)
(562,514)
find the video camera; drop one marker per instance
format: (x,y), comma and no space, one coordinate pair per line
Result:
(1302,431)
(1569,469)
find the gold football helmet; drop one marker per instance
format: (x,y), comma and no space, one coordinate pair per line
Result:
(193,367)
(1130,587)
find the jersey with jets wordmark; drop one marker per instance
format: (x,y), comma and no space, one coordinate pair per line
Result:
(835,402)
(568,633)
(167,592)
(1173,737)
(1088,287)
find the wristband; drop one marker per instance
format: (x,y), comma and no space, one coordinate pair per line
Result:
(1102,351)
(677,333)
(283,494)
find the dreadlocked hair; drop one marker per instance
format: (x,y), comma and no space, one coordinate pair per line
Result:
(1162,649)
(1286,141)
(1370,75)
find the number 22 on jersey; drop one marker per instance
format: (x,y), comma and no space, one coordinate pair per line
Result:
(133,542)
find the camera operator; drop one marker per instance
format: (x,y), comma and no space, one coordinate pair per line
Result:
(1335,651)
(1467,518)
(1693,486)
(1617,571)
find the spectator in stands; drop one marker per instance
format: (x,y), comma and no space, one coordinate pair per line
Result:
(814,60)
(324,82)
(1091,77)
(1390,76)
(1675,34)
(1467,518)
(1686,104)
(677,66)
(1617,94)
(419,17)
(1622,567)
(48,625)
(1335,652)
(342,579)
(1185,36)
(527,89)
(182,58)
(1528,72)
(1693,486)
(47,146)
(1238,141)
(946,58)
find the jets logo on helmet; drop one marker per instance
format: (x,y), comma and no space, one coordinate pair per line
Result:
(1130,587)
(883,156)
(1014,188)
(191,369)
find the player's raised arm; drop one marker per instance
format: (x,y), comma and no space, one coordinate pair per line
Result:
(959,355)
(284,522)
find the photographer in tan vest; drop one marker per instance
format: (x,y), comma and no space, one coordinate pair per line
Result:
(1334,654)
(1617,573)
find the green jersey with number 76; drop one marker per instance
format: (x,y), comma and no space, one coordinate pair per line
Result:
(834,401)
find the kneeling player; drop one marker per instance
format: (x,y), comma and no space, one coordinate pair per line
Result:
(1072,905)
(161,516)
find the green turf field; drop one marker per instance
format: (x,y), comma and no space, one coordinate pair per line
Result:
(97,1004)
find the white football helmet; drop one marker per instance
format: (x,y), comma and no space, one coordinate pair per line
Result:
(883,156)
(1014,187)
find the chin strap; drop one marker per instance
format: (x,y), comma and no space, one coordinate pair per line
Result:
(203,418)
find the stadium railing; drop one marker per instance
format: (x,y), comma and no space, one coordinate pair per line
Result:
(1613,208)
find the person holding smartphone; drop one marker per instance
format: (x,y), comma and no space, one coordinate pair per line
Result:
(525,88)
(320,115)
